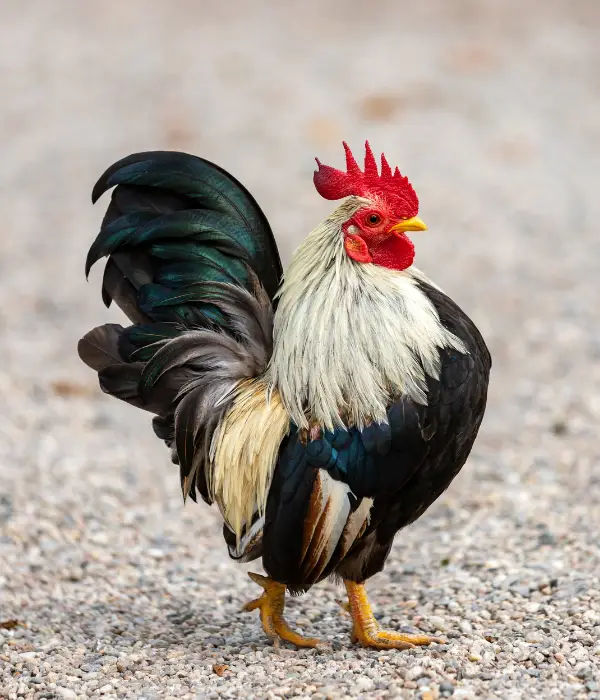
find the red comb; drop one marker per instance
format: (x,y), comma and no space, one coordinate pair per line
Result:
(393,187)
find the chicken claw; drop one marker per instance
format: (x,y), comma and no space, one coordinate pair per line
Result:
(366,630)
(271,604)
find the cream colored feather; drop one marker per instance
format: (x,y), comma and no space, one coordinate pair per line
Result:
(244,452)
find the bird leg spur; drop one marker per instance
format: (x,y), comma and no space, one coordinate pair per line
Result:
(271,604)
(366,630)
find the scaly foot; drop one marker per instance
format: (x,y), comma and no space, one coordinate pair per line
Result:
(271,604)
(365,628)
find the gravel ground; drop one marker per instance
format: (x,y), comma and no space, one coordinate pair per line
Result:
(493,110)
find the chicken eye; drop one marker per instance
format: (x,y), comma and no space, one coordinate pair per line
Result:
(373,219)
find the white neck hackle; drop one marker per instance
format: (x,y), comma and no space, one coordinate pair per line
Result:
(350,336)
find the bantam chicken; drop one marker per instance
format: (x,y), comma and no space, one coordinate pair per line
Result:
(322,411)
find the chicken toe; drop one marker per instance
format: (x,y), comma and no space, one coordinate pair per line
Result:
(271,605)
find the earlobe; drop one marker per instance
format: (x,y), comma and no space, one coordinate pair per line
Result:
(357,249)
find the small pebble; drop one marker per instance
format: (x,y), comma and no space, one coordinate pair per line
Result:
(413,673)
(534,637)
(465,626)
(66,693)
(437,622)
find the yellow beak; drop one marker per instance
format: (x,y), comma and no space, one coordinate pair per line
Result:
(412,224)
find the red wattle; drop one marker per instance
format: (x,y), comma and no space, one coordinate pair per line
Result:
(397,252)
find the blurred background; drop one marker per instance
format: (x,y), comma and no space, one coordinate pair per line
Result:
(493,111)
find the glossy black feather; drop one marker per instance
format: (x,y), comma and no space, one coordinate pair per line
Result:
(128,199)
(136,267)
(116,287)
(99,348)
(211,188)
(189,257)
(118,233)
(121,381)
(287,506)
(141,342)
(188,423)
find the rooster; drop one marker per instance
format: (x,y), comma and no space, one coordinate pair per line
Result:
(322,411)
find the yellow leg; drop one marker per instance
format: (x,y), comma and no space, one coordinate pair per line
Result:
(365,628)
(271,604)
